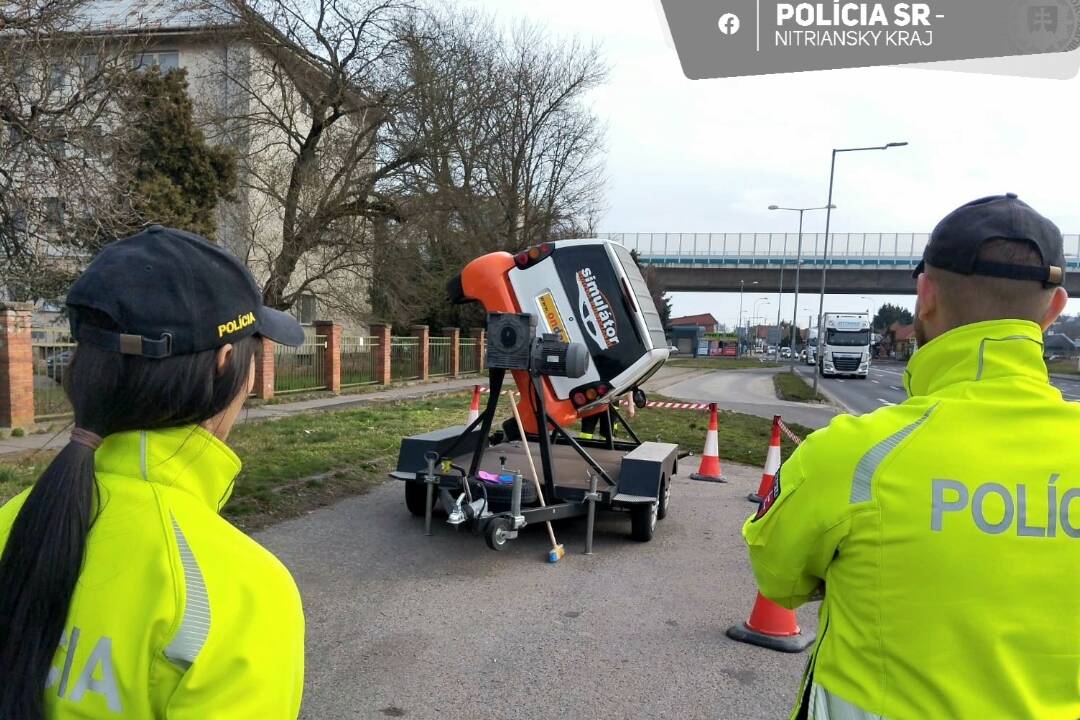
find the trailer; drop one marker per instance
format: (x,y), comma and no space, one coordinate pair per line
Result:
(575,326)
(450,468)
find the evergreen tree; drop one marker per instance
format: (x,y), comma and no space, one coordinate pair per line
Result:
(172,175)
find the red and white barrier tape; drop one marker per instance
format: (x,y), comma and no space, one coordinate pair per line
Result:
(791,436)
(678,406)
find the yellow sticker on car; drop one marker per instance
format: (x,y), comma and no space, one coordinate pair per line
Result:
(551,316)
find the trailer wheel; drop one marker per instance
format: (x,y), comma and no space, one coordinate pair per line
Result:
(643,521)
(495,533)
(665,498)
(416,498)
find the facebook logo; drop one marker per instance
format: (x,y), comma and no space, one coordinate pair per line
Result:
(729,23)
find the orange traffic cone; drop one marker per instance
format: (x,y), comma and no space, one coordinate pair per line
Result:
(772,464)
(709,470)
(474,409)
(771,626)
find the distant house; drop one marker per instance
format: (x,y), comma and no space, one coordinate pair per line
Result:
(688,333)
(705,321)
(902,339)
(1060,345)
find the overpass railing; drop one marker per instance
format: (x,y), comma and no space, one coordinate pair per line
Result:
(882,250)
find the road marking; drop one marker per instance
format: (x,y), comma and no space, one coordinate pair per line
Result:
(876,382)
(885,402)
(839,380)
(894,387)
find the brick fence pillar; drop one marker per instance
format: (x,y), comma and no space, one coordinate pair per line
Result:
(16,365)
(264,369)
(455,349)
(421,332)
(480,335)
(381,333)
(332,354)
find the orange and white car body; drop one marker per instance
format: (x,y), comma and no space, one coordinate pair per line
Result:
(585,291)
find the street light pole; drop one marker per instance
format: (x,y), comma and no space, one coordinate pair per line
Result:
(798,267)
(742,286)
(755,315)
(825,260)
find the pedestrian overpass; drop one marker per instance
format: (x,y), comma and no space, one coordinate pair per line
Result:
(858,263)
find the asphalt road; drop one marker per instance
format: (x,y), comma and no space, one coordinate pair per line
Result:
(885,386)
(749,391)
(403,625)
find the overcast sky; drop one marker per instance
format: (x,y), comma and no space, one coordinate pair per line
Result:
(712,155)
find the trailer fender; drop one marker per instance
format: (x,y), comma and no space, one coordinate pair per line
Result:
(642,471)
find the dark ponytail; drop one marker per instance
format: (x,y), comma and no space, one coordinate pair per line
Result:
(44,553)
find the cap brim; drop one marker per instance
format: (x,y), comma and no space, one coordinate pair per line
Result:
(280,327)
(919,269)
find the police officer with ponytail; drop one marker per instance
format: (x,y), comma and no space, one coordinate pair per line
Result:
(123,593)
(945,531)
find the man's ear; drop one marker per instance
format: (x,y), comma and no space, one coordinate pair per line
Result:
(1057,306)
(224,355)
(926,306)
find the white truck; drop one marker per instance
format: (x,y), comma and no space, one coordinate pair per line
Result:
(845,348)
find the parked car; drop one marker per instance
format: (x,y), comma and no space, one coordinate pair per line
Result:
(785,352)
(672,350)
(56,363)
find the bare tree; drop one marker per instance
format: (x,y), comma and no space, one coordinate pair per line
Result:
(319,102)
(525,168)
(57,112)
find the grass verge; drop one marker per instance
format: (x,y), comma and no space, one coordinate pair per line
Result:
(791,386)
(720,363)
(302,462)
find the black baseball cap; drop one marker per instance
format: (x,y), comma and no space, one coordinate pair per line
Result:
(955,243)
(172,292)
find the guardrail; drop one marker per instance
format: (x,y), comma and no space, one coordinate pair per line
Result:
(889,250)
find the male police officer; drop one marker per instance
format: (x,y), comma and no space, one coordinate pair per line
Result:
(945,530)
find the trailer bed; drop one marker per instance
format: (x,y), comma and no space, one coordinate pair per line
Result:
(570,469)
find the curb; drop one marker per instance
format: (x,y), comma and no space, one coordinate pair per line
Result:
(832,398)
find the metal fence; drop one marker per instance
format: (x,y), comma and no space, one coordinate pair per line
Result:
(300,368)
(467,356)
(359,360)
(440,356)
(405,360)
(52,350)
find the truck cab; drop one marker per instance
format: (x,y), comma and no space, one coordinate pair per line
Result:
(845,348)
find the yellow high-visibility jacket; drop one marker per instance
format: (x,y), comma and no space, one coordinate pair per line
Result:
(946,533)
(177,614)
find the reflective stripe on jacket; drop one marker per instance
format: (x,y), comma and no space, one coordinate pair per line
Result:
(177,614)
(946,532)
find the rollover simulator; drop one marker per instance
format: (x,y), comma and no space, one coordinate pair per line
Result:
(575,325)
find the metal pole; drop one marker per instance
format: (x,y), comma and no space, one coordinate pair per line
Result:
(824,266)
(742,286)
(795,308)
(780,300)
